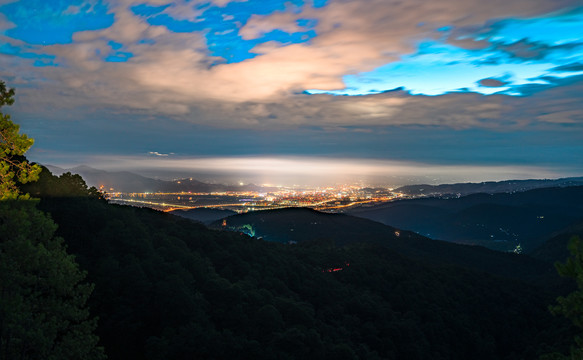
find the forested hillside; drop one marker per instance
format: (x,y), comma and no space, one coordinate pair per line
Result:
(497,221)
(300,225)
(169,288)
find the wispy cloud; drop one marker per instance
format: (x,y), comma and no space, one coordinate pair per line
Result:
(155,153)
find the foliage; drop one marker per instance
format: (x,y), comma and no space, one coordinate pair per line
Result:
(12,147)
(43,311)
(571,306)
(66,185)
(43,299)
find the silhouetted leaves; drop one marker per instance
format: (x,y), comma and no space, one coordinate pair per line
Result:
(43,311)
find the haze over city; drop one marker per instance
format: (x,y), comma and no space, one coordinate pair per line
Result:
(290,91)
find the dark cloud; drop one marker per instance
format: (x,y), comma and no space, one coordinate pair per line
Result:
(569,67)
(537,51)
(490,82)
(397,89)
(525,49)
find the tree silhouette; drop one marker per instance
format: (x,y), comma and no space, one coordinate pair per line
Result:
(43,311)
(12,148)
(571,306)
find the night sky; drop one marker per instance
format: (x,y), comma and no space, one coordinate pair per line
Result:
(449,90)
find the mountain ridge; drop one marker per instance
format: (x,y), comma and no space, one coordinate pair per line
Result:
(500,221)
(488,187)
(125,181)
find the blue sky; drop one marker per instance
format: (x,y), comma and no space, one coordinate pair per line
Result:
(465,84)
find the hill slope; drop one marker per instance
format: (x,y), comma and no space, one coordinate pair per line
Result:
(169,288)
(302,225)
(203,215)
(498,221)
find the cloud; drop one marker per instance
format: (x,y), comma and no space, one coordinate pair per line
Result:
(490,82)
(5,24)
(559,105)
(525,49)
(223,3)
(574,67)
(5,2)
(155,153)
(148,92)
(176,76)
(259,25)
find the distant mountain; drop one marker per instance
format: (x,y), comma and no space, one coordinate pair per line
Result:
(303,226)
(55,170)
(125,181)
(489,187)
(119,181)
(497,221)
(204,215)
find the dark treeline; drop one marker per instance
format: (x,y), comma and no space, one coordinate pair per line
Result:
(169,288)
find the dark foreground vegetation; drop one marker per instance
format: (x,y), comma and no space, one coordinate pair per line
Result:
(169,288)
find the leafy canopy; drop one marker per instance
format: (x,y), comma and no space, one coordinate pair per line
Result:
(571,306)
(13,145)
(43,296)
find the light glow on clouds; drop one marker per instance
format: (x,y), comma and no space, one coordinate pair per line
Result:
(319,170)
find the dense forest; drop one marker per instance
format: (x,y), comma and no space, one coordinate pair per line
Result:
(170,288)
